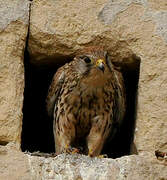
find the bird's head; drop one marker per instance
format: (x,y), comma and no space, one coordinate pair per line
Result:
(93,59)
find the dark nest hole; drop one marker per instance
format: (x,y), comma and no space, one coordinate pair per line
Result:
(37,133)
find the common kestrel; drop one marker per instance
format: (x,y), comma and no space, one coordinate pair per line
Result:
(87,101)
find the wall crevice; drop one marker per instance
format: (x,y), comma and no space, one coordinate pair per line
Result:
(37,133)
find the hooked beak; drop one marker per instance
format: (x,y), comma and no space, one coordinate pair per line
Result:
(100,64)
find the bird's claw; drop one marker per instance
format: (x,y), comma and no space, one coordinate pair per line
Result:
(74,151)
(71,150)
(90,153)
(102,156)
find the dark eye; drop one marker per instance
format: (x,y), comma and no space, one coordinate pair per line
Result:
(87,59)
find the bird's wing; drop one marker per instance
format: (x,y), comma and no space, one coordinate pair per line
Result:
(54,90)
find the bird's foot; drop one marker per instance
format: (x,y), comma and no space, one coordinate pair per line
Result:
(71,150)
(90,154)
(102,156)
(74,151)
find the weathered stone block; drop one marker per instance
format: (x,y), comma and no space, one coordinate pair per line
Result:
(60,28)
(17,165)
(13,163)
(13,31)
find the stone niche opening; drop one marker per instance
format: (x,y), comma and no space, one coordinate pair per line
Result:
(37,133)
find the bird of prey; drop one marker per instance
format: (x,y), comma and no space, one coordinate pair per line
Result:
(86,99)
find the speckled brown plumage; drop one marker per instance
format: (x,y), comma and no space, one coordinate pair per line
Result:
(87,101)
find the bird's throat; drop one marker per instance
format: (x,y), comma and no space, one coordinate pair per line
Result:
(95,79)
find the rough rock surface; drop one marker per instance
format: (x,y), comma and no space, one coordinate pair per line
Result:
(13,32)
(16,165)
(76,167)
(59,28)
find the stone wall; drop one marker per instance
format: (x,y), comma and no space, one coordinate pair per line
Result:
(57,30)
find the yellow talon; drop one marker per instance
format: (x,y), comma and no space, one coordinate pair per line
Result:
(70,150)
(75,150)
(90,152)
(102,156)
(66,146)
